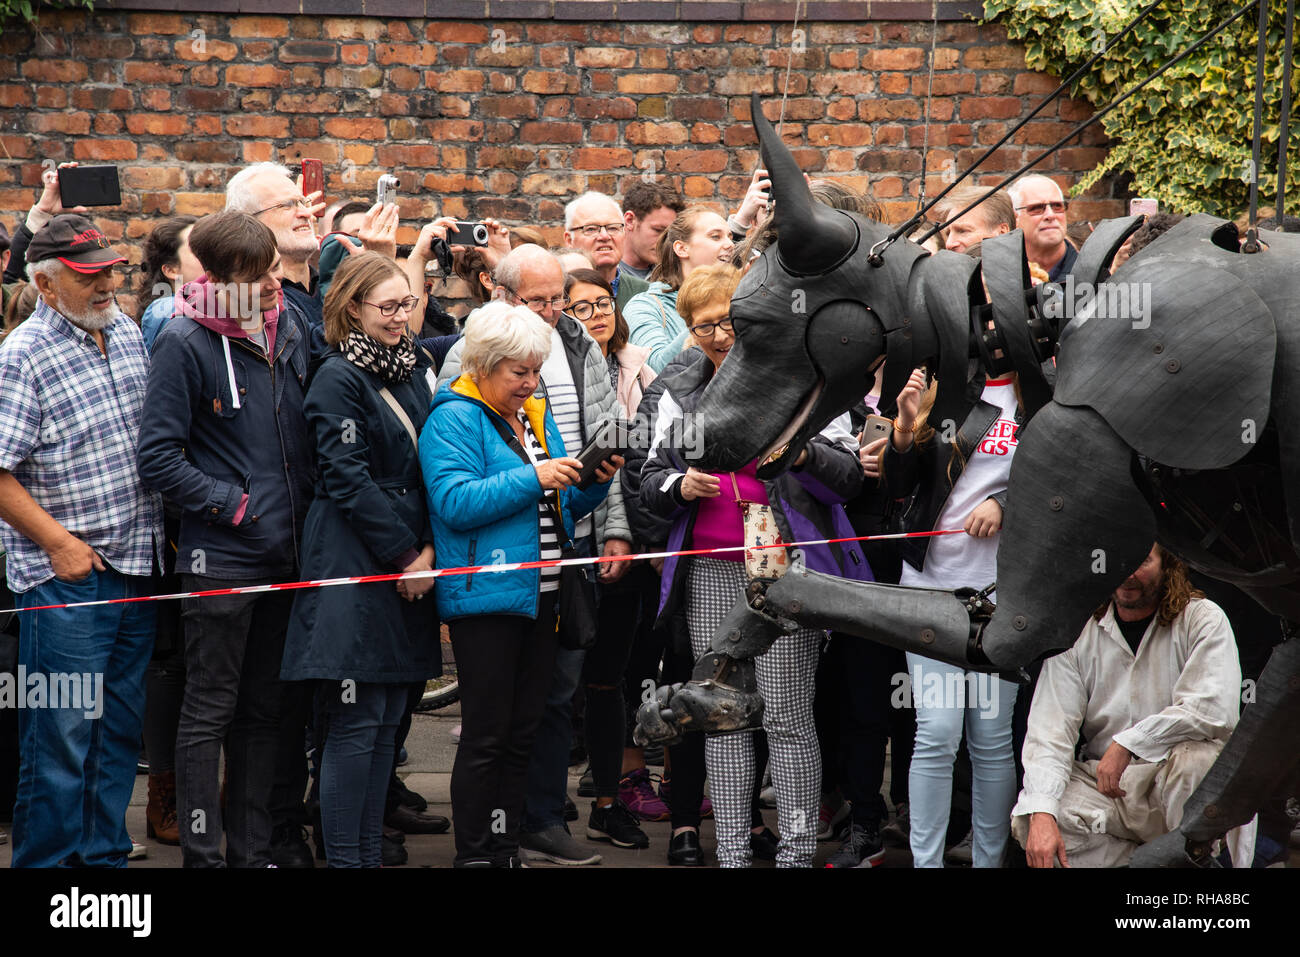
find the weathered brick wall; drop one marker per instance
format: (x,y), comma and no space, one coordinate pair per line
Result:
(508,118)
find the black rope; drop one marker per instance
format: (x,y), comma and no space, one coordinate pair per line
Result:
(1065,84)
(1251,245)
(1286,112)
(1094,118)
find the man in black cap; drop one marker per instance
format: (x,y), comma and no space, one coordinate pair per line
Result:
(78,527)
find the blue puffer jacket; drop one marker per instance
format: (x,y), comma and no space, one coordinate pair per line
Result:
(483,502)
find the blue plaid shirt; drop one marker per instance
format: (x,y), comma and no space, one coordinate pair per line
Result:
(69,425)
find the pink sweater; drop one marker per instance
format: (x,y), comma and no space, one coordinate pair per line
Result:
(718,523)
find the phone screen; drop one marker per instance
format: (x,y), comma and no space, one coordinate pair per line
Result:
(89,186)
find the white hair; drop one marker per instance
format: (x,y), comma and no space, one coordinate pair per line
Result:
(50,268)
(509,271)
(591,194)
(498,331)
(239,196)
(1017,189)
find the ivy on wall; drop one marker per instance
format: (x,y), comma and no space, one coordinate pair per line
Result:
(26,13)
(1186,136)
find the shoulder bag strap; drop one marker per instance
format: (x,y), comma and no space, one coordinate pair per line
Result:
(401,414)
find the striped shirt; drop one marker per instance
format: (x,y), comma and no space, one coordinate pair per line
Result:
(69,427)
(562,396)
(547,533)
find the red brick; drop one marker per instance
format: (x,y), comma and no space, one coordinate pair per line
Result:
(403,78)
(205,126)
(1034,83)
(157,100)
(453,183)
(600,158)
(243,75)
(407,54)
(54,71)
(551,133)
(538,81)
(102,98)
(450,32)
(354,53)
(994,58)
(18,96)
(620,58)
(513,54)
(190,49)
(76,124)
(99,149)
(47,97)
(839,134)
(307,103)
(108,124)
(355,128)
(213,151)
(453,106)
(265,127)
(114,48)
(199,204)
(655,134)
(909,58)
(156,124)
(613,108)
(259,27)
(696,161)
(458,130)
(646,83)
(168,24)
(553,184)
(510,157)
(508,106)
(152,177)
(557,32)
(944,85)
(991,108)
(756,33)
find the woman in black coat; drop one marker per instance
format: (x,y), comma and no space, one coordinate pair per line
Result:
(365,644)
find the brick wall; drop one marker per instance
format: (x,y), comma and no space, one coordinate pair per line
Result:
(512,117)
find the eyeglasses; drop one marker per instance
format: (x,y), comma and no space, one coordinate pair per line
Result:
(705,329)
(1037,209)
(538,304)
(593,229)
(389,309)
(289,204)
(583,310)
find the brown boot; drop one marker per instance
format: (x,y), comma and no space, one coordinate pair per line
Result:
(160,815)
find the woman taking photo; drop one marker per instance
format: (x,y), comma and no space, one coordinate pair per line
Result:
(364,644)
(501,490)
(709,511)
(697,237)
(958,484)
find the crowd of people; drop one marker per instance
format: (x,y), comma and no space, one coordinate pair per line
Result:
(296,404)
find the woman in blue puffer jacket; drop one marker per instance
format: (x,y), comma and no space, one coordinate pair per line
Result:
(495,469)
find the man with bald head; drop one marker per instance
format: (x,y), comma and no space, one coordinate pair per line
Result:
(594,223)
(578,390)
(1040,213)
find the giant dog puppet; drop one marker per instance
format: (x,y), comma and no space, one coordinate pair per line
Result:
(1180,424)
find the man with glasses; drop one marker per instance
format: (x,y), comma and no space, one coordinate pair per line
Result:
(594,223)
(1040,212)
(576,381)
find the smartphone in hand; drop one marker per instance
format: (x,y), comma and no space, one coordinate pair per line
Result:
(89,186)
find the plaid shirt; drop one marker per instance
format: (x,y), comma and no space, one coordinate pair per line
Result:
(69,424)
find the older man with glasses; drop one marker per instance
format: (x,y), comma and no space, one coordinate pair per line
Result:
(594,223)
(578,390)
(1040,212)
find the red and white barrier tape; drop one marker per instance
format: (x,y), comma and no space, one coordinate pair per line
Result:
(467,570)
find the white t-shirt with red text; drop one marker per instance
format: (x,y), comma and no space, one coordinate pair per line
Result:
(954,561)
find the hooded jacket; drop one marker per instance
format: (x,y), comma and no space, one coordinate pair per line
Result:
(806,503)
(654,323)
(596,403)
(224,438)
(483,501)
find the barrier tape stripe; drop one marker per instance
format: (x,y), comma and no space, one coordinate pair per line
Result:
(466,570)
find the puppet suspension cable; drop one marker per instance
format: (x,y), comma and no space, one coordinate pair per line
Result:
(1241,11)
(1251,245)
(1284,132)
(904,229)
(929,99)
(789,61)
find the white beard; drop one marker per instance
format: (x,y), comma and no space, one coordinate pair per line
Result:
(92,320)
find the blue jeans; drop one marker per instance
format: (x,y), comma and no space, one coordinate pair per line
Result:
(948,698)
(355,766)
(77,772)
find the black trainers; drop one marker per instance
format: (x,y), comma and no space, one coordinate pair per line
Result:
(289,847)
(587,784)
(862,847)
(617,825)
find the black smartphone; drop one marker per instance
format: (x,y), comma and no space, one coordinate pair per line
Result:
(610,439)
(468,234)
(89,186)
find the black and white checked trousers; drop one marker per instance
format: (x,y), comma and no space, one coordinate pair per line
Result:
(785,679)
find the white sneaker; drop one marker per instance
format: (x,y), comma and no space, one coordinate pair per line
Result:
(138,851)
(455,734)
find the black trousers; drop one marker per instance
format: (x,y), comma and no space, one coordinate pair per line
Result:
(505,665)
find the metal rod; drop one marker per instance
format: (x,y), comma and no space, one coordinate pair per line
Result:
(1251,245)
(1284,133)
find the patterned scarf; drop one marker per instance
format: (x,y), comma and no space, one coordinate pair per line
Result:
(390,363)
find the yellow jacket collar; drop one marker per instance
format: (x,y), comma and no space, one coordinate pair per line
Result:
(534,407)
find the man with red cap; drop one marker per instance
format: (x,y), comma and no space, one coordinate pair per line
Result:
(78,527)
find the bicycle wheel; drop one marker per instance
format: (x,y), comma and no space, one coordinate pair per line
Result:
(442,691)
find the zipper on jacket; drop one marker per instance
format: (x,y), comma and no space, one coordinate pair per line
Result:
(473,547)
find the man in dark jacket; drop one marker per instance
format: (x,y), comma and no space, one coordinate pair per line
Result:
(225,440)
